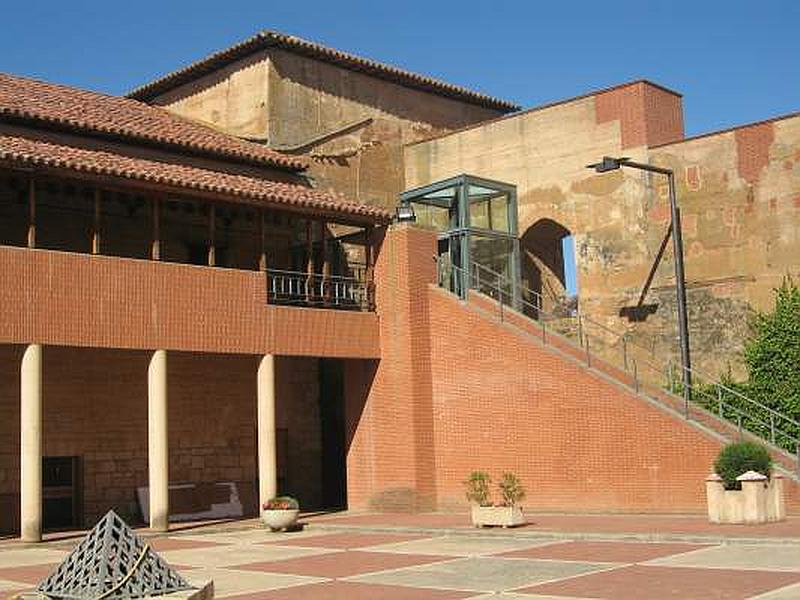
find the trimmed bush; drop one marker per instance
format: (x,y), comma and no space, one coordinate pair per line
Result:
(739,458)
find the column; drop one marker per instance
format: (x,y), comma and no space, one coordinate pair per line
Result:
(157,445)
(265,415)
(31,444)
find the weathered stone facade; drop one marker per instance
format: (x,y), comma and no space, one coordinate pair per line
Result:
(738,193)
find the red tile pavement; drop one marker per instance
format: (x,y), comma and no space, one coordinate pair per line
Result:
(657,583)
(612,524)
(346,590)
(30,574)
(348,540)
(163,544)
(342,564)
(621,552)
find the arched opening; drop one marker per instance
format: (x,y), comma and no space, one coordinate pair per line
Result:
(548,266)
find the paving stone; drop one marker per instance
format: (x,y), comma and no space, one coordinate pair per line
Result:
(226,556)
(460,545)
(656,583)
(28,574)
(347,590)
(348,540)
(229,582)
(342,564)
(739,556)
(482,574)
(30,556)
(791,592)
(611,552)
(178,543)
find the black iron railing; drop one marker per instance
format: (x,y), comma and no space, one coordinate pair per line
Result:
(294,288)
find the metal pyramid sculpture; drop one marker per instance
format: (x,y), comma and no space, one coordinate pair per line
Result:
(112,562)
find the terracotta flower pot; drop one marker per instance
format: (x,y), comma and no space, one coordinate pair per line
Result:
(278,519)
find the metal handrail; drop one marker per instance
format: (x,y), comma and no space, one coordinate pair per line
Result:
(318,290)
(781,428)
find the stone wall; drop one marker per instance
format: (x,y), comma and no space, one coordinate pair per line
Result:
(352,126)
(738,191)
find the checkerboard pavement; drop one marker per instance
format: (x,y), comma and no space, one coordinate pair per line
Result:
(255,564)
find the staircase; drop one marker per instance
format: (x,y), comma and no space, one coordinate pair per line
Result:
(710,405)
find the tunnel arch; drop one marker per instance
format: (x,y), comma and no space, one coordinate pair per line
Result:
(544,265)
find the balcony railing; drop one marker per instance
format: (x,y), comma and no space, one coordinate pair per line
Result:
(294,288)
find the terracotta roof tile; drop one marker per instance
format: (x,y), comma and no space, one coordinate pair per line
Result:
(273,39)
(112,116)
(24,151)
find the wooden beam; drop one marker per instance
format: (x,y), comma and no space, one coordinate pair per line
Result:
(155,247)
(31,212)
(369,258)
(212,235)
(309,260)
(326,260)
(96,226)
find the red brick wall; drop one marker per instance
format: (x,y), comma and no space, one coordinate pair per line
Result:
(648,114)
(61,298)
(390,458)
(457,391)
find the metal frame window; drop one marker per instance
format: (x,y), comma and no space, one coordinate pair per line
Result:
(467,211)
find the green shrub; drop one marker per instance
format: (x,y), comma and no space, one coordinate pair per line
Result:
(511,489)
(281,503)
(736,459)
(478,488)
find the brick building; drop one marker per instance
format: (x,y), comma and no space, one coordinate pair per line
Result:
(205,300)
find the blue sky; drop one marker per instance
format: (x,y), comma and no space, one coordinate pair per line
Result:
(735,61)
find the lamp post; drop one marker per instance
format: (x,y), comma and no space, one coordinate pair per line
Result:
(611,164)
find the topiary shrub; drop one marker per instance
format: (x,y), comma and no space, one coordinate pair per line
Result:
(739,458)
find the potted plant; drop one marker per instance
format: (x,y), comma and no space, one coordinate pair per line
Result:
(280,513)
(507,512)
(742,488)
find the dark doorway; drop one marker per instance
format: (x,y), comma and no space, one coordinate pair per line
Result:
(545,266)
(332,423)
(61,492)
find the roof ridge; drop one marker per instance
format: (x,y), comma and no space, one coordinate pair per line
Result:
(267,38)
(70,107)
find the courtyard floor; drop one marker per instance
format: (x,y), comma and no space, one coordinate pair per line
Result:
(439,556)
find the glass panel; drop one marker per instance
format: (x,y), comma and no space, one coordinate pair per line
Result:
(429,215)
(488,208)
(493,253)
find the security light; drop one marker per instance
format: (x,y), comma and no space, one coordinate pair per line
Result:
(405,213)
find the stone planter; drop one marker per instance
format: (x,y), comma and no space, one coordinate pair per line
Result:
(280,519)
(498,516)
(759,501)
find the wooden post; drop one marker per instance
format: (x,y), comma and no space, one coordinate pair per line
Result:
(32,213)
(326,261)
(309,260)
(155,248)
(212,239)
(262,259)
(369,259)
(96,231)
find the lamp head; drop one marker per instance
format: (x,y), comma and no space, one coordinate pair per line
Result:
(608,163)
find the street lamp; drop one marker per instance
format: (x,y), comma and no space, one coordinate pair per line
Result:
(611,164)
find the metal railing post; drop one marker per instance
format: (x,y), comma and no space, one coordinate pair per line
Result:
(588,353)
(721,402)
(635,376)
(625,353)
(739,424)
(544,331)
(580,330)
(798,459)
(772,427)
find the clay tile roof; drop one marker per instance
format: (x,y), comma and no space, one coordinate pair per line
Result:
(27,152)
(79,110)
(272,39)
